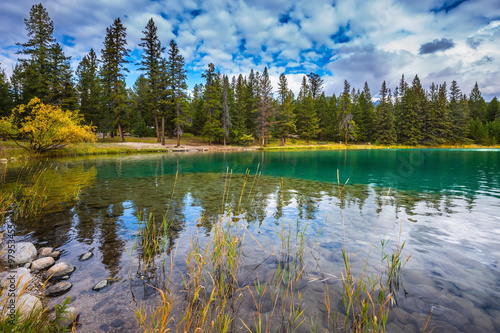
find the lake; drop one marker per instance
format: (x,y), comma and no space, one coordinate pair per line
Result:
(443,204)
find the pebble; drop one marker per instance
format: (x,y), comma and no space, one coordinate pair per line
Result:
(59,270)
(24,252)
(100,285)
(42,263)
(86,256)
(58,289)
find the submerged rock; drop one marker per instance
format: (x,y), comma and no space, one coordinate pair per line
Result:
(86,256)
(20,253)
(68,318)
(100,285)
(55,254)
(59,270)
(45,251)
(42,263)
(58,289)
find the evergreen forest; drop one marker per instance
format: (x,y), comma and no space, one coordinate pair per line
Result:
(239,109)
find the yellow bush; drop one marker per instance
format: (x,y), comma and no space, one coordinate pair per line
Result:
(45,127)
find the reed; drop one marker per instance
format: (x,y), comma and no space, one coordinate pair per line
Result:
(214,288)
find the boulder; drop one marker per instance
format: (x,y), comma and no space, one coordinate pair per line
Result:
(42,263)
(59,270)
(58,289)
(21,253)
(24,304)
(16,279)
(55,254)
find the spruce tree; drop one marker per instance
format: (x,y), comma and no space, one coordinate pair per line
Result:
(367,130)
(61,90)
(477,105)
(226,118)
(6,98)
(459,113)
(493,110)
(114,59)
(285,119)
(90,92)
(265,107)
(346,120)
(386,132)
(151,64)
(34,72)
(212,128)
(177,74)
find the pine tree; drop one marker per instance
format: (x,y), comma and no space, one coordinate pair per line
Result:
(315,85)
(238,113)
(226,118)
(285,119)
(251,102)
(89,92)
(477,105)
(36,69)
(141,114)
(177,73)
(151,64)
(386,132)
(114,59)
(265,107)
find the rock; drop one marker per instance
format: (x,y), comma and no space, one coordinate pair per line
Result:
(16,279)
(24,304)
(55,254)
(58,289)
(101,285)
(21,253)
(68,318)
(45,251)
(59,270)
(3,160)
(86,256)
(65,277)
(27,265)
(42,263)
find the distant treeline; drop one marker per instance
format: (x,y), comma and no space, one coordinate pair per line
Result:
(238,109)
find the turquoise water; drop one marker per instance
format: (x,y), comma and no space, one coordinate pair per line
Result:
(446,203)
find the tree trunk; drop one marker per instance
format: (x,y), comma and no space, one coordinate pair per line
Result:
(178,125)
(224,139)
(346,137)
(157,129)
(163,129)
(120,130)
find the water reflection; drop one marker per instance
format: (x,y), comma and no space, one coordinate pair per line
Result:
(449,223)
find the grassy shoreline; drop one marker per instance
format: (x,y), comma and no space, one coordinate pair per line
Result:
(8,149)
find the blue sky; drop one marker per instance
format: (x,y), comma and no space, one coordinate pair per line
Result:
(347,39)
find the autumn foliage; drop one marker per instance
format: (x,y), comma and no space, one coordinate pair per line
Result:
(45,127)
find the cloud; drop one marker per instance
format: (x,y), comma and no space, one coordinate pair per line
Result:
(473,43)
(436,45)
